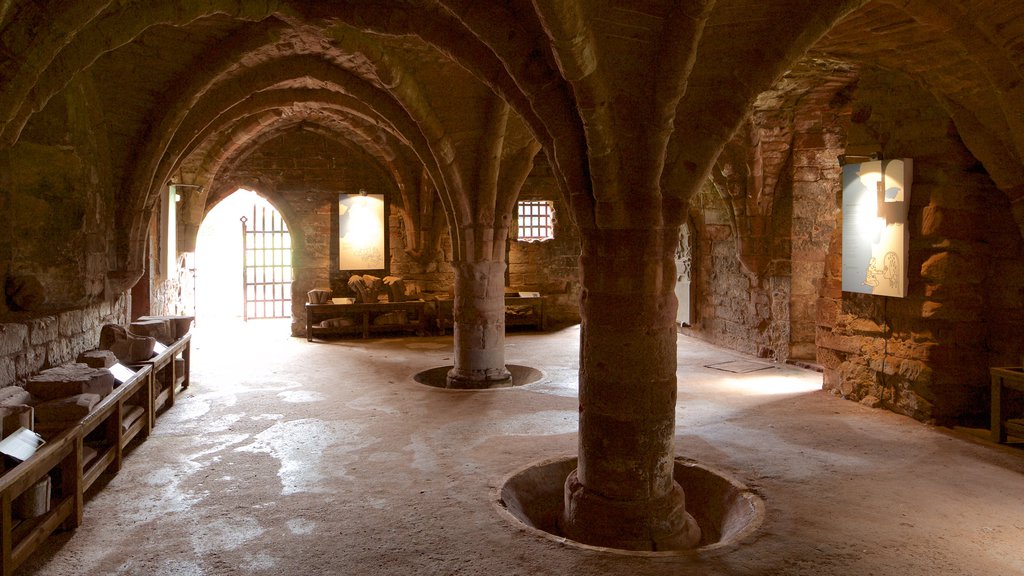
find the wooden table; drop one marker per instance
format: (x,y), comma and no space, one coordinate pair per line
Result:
(362,315)
(1005,379)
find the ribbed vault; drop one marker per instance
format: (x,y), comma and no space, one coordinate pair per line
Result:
(632,104)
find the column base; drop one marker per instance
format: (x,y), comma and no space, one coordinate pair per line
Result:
(478,379)
(648,525)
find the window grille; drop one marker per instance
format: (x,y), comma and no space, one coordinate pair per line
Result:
(266,248)
(535,220)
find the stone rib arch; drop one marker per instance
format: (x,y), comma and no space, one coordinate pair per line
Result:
(271,104)
(985,98)
(361,91)
(706,133)
(235,89)
(219,159)
(517,65)
(73,45)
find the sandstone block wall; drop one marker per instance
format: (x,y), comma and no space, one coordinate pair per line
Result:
(29,344)
(550,267)
(928,355)
(779,296)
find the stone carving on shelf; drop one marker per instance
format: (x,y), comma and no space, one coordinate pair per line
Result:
(319,296)
(128,348)
(160,330)
(396,289)
(70,380)
(366,287)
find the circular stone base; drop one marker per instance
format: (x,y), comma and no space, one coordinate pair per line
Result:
(521,375)
(725,509)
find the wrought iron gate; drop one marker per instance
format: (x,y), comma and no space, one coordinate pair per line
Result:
(267,265)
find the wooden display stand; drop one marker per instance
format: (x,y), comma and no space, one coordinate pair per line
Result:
(166,376)
(1005,379)
(362,316)
(123,415)
(113,423)
(60,459)
(534,318)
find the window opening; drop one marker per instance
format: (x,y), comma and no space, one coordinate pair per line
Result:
(535,220)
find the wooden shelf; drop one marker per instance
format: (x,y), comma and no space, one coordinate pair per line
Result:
(166,377)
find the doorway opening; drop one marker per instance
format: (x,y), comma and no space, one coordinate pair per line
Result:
(243,261)
(684,276)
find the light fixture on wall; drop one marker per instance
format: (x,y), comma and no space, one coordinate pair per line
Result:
(845,159)
(179,187)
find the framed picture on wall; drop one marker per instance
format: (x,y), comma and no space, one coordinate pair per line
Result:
(362,232)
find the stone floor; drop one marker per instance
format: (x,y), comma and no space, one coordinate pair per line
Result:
(288,457)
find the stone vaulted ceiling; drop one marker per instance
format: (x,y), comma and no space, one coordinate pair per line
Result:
(630,101)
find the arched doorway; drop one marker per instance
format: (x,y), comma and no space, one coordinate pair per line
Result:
(243,261)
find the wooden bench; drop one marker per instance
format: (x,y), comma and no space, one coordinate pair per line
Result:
(519,311)
(362,316)
(1005,379)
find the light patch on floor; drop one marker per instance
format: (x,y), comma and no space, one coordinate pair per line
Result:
(771,383)
(299,445)
(300,396)
(224,534)
(261,561)
(177,568)
(423,457)
(171,498)
(301,526)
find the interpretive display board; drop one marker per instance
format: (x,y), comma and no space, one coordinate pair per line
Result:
(876,201)
(362,227)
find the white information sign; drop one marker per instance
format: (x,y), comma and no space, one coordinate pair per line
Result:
(876,200)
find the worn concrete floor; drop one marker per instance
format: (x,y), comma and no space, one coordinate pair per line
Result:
(287,457)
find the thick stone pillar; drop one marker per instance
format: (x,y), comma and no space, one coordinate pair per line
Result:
(622,493)
(479,313)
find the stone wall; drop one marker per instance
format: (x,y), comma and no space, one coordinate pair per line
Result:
(764,227)
(927,355)
(550,267)
(58,202)
(30,343)
(779,296)
(57,213)
(732,307)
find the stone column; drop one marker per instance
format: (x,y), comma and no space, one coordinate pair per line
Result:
(622,493)
(479,313)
